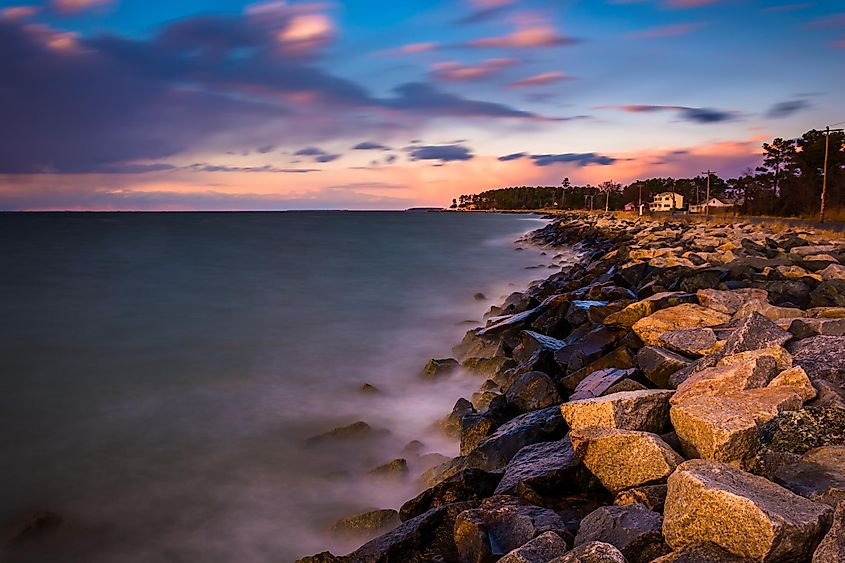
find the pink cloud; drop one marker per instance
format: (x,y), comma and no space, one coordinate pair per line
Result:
(412,48)
(541,79)
(667,31)
(76,6)
(536,35)
(452,71)
(15,13)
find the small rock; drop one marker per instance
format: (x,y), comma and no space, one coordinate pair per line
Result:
(451,425)
(592,552)
(436,369)
(479,296)
(805,328)
(541,549)
(832,547)
(368,389)
(599,382)
(396,468)
(366,523)
(691,342)
(768,310)
(356,430)
(795,378)
(546,468)
(531,391)
(684,316)
(652,496)
(632,410)
(822,357)
(658,364)
(830,293)
(729,302)
(632,528)
(819,475)
(833,272)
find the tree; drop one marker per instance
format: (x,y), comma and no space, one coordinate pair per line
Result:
(779,159)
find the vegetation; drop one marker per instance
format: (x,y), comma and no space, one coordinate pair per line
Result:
(787,183)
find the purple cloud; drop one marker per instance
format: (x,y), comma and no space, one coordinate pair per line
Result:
(441,153)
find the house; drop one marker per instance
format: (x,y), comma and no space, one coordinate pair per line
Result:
(630,206)
(713,203)
(663,202)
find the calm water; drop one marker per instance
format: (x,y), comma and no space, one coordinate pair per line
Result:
(159,372)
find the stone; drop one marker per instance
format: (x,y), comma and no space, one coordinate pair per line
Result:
(828,395)
(626,384)
(578,353)
(729,302)
(632,528)
(819,475)
(790,434)
(467,485)
(658,364)
(392,469)
(541,549)
(700,552)
(451,425)
(619,358)
(652,496)
(747,515)
(830,293)
(796,273)
(355,431)
(684,316)
(592,552)
(531,391)
(622,459)
(631,410)
(724,428)
(435,369)
(501,524)
(797,379)
(832,547)
(369,389)
(489,367)
(530,342)
(833,272)
(475,428)
(580,311)
(599,382)
(805,328)
(822,357)
(645,307)
(366,523)
(754,332)
(691,342)
(768,310)
(546,468)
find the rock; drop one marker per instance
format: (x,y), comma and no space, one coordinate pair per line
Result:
(496,451)
(797,379)
(501,524)
(479,296)
(833,272)
(592,552)
(533,390)
(481,399)
(754,332)
(691,342)
(648,306)
(541,549)
(355,431)
(586,349)
(658,364)
(830,293)
(805,328)
(792,433)
(366,523)
(822,357)
(546,468)
(417,540)
(475,428)
(652,496)
(580,311)
(396,468)
(747,515)
(819,475)
(632,528)
(625,385)
(622,459)
(33,526)
(436,369)
(619,358)
(368,389)
(729,302)
(489,367)
(828,395)
(414,447)
(451,425)
(632,410)
(832,547)
(599,382)
(467,485)
(700,552)
(684,316)
(767,310)
(724,428)
(826,312)
(530,342)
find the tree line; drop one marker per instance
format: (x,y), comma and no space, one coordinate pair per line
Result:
(788,182)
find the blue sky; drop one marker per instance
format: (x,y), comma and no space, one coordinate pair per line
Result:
(125,104)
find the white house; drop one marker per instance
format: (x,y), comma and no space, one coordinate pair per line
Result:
(663,201)
(713,202)
(630,206)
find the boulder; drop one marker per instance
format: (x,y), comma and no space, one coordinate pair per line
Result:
(599,382)
(684,316)
(435,369)
(729,302)
(790,434)
(724,428)
(592,552)
(658,364)
(541,549)
(819,475)
(622,459)
(451,425)
(652,496)
(586,348)
(833,272)
(822,357)
(632,528)
(466,485)
(830,293)
(747,515)
(645,307)
(475,428)
(754,332)
(366,523)
(832,547)
(619,358)
(631,410)
(768,310)
(392,469)
(356,431)
(700,552)
(580,311)
(546,468)
(691,342)
(797,379)
(530,342)
(489,367)
(501,524)
(805,328)
(531,391)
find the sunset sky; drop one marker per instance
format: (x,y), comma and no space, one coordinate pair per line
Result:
(366,104)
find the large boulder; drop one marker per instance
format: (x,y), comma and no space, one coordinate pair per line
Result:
(585,348)
(684,316)
(822,357)
(531,391)
(747,515)
(658,364)
(546,468)
(501,524)
(592,552)
(819,475)
(754,332)
(467,485)
(622,459)
(541,549)
(619,358)
(648,306)
(630,410)
(724,428)
(632,528)
(832,547)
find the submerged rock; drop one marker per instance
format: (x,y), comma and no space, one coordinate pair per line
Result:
(436,369)
(366,523)
(356,430)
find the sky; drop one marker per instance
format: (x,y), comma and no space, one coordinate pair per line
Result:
(371,104)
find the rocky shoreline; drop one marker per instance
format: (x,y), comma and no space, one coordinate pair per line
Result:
(675,396)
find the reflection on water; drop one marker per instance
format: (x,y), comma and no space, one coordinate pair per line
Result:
(159,373)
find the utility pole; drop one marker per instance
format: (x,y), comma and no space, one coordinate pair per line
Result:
(827,132)
(607,200)
(707,201)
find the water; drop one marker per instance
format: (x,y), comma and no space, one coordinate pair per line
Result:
(159,372)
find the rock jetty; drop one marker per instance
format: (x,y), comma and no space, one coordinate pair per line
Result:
(674,396)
